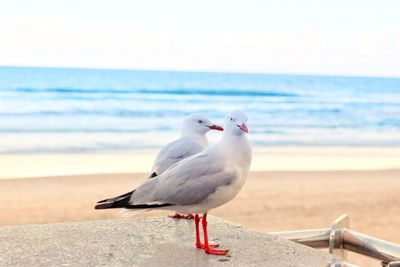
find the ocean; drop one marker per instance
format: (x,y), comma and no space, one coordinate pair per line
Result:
(55,110)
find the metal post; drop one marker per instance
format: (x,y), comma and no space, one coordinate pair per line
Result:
(339,238)
(336,237)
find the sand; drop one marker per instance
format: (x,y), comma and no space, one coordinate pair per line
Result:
(270,201)
(264,159)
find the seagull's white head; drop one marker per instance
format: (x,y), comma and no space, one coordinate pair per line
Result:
(236,123)
(199,124)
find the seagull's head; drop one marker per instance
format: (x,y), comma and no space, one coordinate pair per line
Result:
(199,124)
(236,123)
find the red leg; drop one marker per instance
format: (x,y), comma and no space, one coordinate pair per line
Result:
(196,222)
(180,216)
(207,247)
(176,216)
(189,217)
(198,242)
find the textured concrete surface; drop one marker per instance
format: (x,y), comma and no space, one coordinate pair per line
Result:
(159,241)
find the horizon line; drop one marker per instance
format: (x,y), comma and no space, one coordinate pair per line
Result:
(206,71)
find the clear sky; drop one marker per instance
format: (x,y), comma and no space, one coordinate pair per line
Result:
(345,37)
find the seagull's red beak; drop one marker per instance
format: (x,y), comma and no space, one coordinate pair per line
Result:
(216,127)
(243,127)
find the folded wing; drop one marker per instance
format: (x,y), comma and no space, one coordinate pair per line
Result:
(173,153)
(191,181)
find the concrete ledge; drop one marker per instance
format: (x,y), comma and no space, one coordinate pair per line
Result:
(158,241)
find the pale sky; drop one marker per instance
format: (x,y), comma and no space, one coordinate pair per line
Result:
(340,37)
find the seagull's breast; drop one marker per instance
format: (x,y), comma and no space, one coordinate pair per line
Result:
(221,196)
(226,193)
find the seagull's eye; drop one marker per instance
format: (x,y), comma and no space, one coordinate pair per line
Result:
(231,119)
(200,121)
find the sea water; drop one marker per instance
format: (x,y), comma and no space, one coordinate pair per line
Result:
(54,110)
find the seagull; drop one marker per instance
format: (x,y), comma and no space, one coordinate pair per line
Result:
(199,183)
(191,141)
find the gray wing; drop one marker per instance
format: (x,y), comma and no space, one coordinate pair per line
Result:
(189,182)
(173,153)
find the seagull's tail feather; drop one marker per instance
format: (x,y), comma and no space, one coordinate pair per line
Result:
(114,203)
(154,174)
(122,201)
(129,194)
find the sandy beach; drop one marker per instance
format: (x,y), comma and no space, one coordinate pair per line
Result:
(140,161)
(270,201)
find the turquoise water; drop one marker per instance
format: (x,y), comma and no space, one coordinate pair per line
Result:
(47,110)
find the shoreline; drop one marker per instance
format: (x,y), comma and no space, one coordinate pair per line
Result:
(140,161)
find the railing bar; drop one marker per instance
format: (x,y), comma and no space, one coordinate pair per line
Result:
(370,246)
(353,241)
